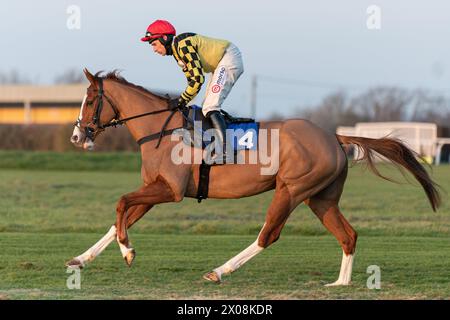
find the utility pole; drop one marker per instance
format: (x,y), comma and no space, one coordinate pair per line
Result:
(253,96)
(27,112)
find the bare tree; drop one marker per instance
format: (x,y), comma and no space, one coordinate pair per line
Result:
(13,77)
(383,104)
(70,76)
(333,111)
(435,108)
(429,107)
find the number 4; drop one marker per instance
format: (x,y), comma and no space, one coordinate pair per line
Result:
(246,140)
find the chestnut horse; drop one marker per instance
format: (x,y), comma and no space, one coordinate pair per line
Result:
(312,169)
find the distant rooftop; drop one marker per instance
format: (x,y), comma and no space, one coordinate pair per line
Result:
(48,93)
(36,93)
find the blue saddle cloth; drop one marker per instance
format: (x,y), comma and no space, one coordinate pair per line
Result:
(243,131)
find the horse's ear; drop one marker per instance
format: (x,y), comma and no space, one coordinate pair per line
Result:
(90,77)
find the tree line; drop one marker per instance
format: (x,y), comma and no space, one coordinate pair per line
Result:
(69,76)
(378,104)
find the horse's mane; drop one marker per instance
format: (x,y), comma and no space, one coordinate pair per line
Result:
(115,76)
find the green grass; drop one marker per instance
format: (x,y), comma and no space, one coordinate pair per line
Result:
(85,201)
(171,266)
(72,161)
(49,216)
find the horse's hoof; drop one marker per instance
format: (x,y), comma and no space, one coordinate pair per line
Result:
(129,258)
(75,263)
(337,284)
(212,276)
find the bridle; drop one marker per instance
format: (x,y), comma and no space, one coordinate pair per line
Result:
(95,126)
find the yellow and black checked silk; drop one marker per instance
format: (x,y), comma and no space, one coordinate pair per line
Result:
(187,54)
(198,55)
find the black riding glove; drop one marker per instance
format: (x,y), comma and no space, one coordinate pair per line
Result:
(177,103)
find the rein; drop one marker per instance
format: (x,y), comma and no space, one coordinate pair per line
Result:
(118,122)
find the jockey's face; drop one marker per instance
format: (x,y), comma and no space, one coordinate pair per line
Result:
(158,48)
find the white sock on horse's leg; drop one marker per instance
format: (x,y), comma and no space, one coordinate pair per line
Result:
(98,248)
(237,261)
(345,275)
(123,248)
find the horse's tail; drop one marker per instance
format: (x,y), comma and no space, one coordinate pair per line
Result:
(400,155)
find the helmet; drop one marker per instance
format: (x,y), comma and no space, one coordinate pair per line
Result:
(158,29)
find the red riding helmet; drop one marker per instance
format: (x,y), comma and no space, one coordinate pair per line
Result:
(158,29)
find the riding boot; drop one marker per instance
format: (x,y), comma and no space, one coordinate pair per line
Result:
(218,122)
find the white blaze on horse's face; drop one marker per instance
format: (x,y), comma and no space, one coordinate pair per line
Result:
(78,137)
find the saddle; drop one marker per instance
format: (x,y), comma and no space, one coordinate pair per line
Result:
(244,130)
(244,137)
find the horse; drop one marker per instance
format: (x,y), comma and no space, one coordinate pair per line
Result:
(312,170)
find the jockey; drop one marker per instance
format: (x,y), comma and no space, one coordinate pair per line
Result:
(198,55)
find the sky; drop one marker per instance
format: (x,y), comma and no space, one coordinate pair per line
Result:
(300,51)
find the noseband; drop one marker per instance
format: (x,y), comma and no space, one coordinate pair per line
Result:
(89,131)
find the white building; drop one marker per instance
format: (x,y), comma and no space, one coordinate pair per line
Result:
(419,136)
